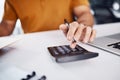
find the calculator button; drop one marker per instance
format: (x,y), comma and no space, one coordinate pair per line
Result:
(72,49)
(55,52)
(80,48)
(60,50)
(67,50)
(77,52)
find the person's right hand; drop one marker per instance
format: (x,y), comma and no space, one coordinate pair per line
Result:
(79,32)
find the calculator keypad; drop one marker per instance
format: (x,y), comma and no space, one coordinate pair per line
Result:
(65,52)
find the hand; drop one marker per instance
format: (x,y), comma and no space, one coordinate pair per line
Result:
(79,32)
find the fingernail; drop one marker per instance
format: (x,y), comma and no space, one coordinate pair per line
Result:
(72,46)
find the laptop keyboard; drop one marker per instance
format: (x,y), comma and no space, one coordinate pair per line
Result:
(115,45)
(66,54)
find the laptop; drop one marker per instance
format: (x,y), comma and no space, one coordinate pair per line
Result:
(109,43)
(6,41)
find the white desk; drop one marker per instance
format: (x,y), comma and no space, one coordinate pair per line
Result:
(31,53)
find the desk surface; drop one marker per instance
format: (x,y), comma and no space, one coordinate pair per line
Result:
(30,53)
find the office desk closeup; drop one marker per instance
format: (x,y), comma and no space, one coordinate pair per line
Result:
(31,54)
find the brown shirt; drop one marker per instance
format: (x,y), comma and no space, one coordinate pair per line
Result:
(40,15)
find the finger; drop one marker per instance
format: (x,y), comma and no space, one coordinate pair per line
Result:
(82,35)
(87,34)
(72,29)
(93,35)
(79,32)
(72,45)
(64,28)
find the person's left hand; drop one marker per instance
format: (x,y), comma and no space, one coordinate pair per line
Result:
(79,32)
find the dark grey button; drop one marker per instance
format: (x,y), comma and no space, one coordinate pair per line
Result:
(67,50)
(55,52)
(80,48)
(60,50)
(72,49)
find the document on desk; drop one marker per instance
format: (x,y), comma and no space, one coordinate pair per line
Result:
(5,41)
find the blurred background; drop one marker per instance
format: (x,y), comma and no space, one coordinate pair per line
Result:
(104,11)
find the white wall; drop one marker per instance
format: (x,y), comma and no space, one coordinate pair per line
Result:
(17,29)
(1,8)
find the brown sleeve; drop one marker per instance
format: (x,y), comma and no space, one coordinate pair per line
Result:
(9,12)
(79,2)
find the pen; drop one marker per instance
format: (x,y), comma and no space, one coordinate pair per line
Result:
(67,24)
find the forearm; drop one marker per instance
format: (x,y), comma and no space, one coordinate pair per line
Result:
(84,15)
(86,18)
(4,29)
